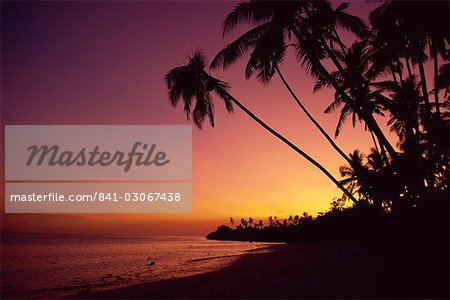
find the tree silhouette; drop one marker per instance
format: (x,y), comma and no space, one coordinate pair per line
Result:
(191,82)
(377,75)
(269,40)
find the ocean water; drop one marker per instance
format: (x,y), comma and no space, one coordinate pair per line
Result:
(51,266)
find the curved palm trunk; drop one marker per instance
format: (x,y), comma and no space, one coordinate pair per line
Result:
(436,74)
(373,126)
(341,44)
(393,74)
(326,47)
(408,66)
(399,71)
(295,148)
(375,143)
(324,133)
(423,81)
(369,119)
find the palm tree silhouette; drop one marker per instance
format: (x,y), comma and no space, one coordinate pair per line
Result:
(250,222)
(231,221)
(404,109)
(277,222)
(354,174)
(306,217)
(191,82)
(290,219)
(364,101)
(443,80)
(260,224)
(313,23)
(269,41)
(408,27)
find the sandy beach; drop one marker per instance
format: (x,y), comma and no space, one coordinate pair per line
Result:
(310,270)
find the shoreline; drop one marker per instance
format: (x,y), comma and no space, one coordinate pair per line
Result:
(308,270)
(226,261)
(120,262)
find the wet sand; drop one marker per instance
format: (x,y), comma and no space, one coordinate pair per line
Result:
(310,270)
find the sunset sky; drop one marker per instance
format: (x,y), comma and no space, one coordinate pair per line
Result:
(104,63)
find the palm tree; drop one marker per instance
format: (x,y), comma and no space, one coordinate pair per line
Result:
(404,108)
(371,178)
(306,217)
(231,221)
(397,33)
(191,82)
(443,79)
(277,222)
(408,27)
(269,40)
(404,105)
(364,101)
(260,224)
(434,12)
(312,22)
(354,175)
(250,222)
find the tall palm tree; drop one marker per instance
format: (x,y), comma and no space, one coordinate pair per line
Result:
(404,105)
(404,108)
(267,43)
(438,37)
(312,23)
(354,174)
(408,27)
(367,177)
(443,79)
(364,102)
(191,82)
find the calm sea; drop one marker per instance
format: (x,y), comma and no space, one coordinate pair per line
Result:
(50,266)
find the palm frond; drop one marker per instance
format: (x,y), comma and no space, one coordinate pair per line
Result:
(249,12)
(191,83)
(350,22)
(239,47)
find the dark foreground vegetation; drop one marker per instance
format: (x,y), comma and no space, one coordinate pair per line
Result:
(380,254)
(357,223)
